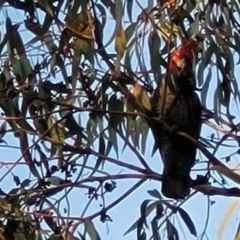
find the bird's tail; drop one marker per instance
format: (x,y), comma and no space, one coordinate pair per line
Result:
(177,188)
(178,156)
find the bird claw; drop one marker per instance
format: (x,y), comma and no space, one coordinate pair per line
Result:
(173,130)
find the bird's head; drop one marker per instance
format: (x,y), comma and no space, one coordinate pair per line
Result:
(181,58)
(181,64)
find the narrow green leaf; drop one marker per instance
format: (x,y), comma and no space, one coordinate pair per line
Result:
(43,157)
(68,100)
(25,66)
(3,129)
(149,209)
(236,88)
(102,13)
(16,65)
(194,28)
(140,229)
(154,193)
(149,6)
(237,41)
(136,136)
(101,150)
(227,17)
(77,56)
(109,4)
(172,231)
(56,131)
(143,208)
(52,64)
(89,129)
(3,43)
(27,155)
(128,62)
(190,5)
(113,139)
(155,230)
(154,149)
(226,92)
(220,65)
(159,209)
(66,35)
(188,221)
(143,236)
(46,7)
(206,59)
(216,96)
(129,31)
(16,45)
(129,9)
(120,42)
(82,237)
(91,230)
(205,87)
(144,135)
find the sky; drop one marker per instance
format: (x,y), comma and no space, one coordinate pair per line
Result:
(126,212)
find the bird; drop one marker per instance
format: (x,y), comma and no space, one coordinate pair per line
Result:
(180,109)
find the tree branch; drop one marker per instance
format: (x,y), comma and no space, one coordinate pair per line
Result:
(211,191)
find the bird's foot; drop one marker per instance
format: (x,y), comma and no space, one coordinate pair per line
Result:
(173,130)
(200,180)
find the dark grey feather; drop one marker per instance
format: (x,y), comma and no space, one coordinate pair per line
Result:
(181,109)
